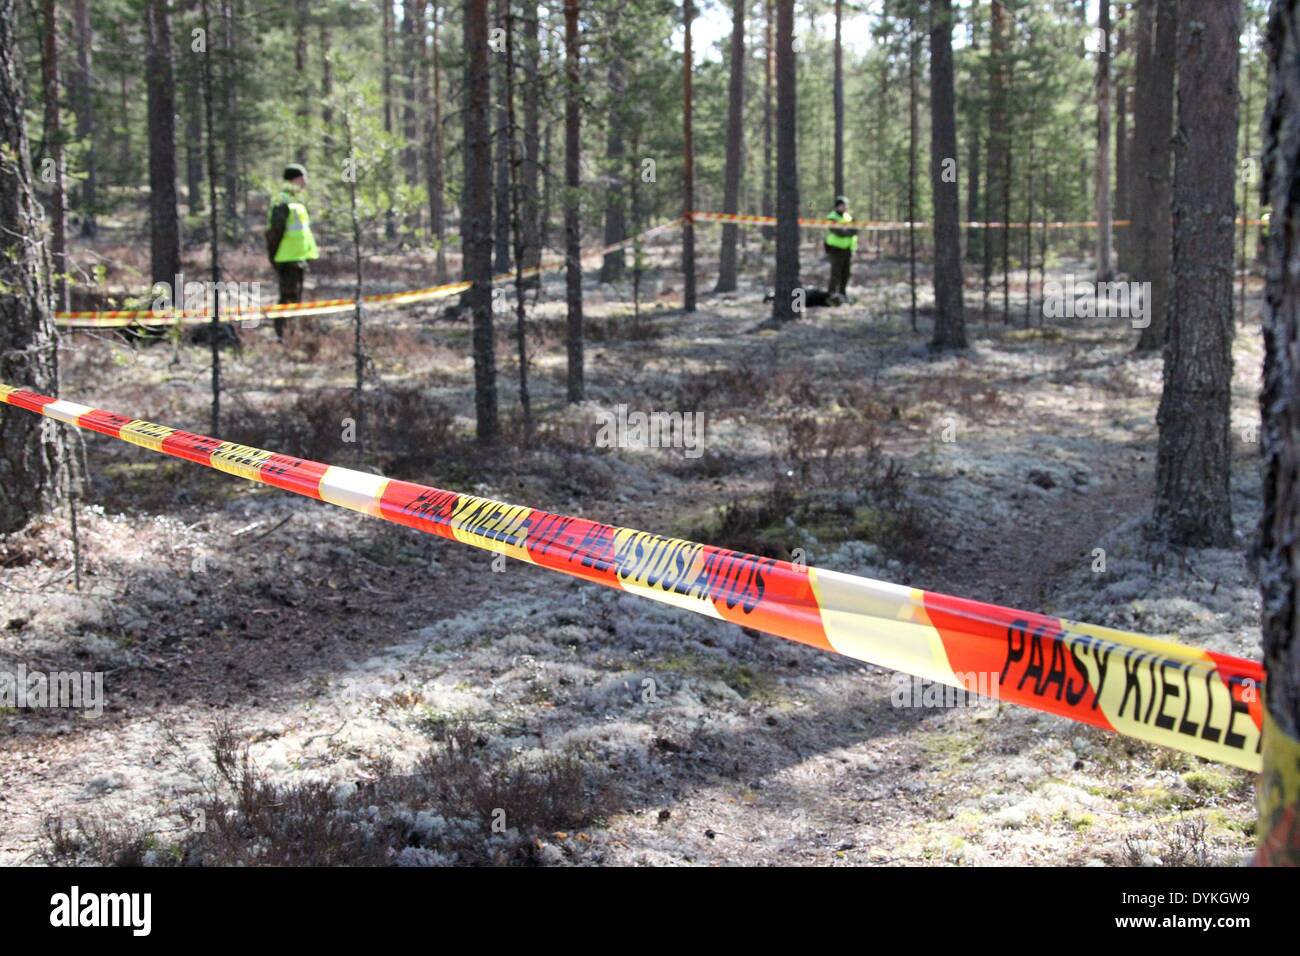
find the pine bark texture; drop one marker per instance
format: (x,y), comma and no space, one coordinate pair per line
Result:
(787,167)
(164,220)
(1158,30)
(572,208)
(1279,553)
(476,216)
(27,335)
(949,318)
(1194,455)
(735,161)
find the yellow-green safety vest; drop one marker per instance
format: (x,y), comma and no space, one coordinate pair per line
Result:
(841,242)
(298,243)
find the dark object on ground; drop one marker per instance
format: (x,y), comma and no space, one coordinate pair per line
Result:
(142,334)
(813,298)
(201,334)
(456,312)
(226,333)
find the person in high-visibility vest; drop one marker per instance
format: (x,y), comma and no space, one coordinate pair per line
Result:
(289,241)
(841,243)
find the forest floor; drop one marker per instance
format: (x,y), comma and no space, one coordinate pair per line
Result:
(339,649)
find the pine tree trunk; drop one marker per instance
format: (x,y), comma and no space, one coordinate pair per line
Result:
(386,87)
(837,96)
(727,268)
(50,93)
(476,215)
(1029,227)
(880,208)
(214,211)
(83,104)
(386,62)
(787,167)
(1194,457)
(164,221)
(424,82)
(358,288)
(769,81)
(548,158)
(949,317)
(530,225)
(688,162)
(1278,793)
(573,183)
(124,111)
(637,251)
(301,131)
(1244,212)
(611,269)
(1123,204)
(501,159)
(1104,266)
(1144,33)
(434,145)
(517,234)
(231,124)
(1006,236)
(28,479)
(1042,255)
(1151,193)
(913,138)
(974,237)
(412,33)
(995,186)
(326,84)
(192,88)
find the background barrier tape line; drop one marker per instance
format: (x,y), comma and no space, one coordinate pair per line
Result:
(869,225)
(120,318)
(1193,700)
(882,225)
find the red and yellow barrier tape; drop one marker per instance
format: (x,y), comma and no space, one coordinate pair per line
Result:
(119,318)
(148,317)
(1193,700)
(872,225)
(1277,797)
